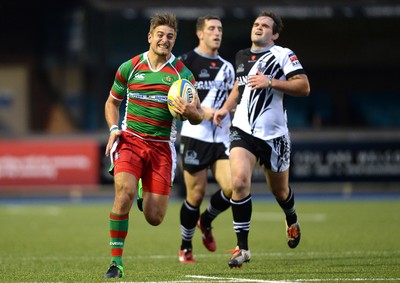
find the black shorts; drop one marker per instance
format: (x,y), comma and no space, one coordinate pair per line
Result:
(197,154)
(273,154)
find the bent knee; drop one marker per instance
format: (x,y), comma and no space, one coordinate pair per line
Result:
(154,216)
(154,220)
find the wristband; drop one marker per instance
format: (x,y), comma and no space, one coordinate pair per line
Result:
(113,128)
(269,81)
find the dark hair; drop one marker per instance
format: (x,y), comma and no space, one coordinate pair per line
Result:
(278,24)
(201,21)
(161,19)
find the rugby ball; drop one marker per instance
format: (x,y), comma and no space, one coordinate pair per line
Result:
(184,89)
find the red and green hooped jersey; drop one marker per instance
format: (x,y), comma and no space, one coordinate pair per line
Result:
(146,92)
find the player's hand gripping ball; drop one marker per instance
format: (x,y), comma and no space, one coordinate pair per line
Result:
(184,89)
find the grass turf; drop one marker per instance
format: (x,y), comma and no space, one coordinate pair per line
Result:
(342,240)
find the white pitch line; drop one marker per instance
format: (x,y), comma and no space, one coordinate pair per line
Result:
(237,279)
(223,279)
(177,281)
(349,279)
(45,211)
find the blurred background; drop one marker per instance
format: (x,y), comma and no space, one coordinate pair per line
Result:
(58,60)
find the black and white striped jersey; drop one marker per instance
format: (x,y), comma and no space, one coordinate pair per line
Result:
(215,77)
(261,112)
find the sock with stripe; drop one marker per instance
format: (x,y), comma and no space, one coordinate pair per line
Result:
(218,203)
(188,215)
(289,208)
(241,211)
(118,224)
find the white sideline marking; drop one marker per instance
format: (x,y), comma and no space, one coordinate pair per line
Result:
(222,279)
(349,279)
(208,279)
(45,211)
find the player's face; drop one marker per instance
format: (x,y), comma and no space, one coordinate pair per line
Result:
(162,40)
(261,32)
(212,34)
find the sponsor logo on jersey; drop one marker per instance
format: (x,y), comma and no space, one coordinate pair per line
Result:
(152,97)
(139,77)
(167,80)
(220,85)
(240,68)
(118,86)
(204,73)
(214,66)
(293,59)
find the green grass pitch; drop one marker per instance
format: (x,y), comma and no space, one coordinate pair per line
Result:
(342,241)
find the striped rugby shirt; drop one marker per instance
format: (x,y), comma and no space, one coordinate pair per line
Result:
(262,112)
(146,90)
(215,77)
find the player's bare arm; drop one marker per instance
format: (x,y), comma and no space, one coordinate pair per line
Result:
(192,111)
(112,117)
(229,105)
(208,113)
(298,85)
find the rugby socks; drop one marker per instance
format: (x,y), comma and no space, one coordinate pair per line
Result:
(289,208)
(189,216)
(118,224)
(218,203)
(241,211)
